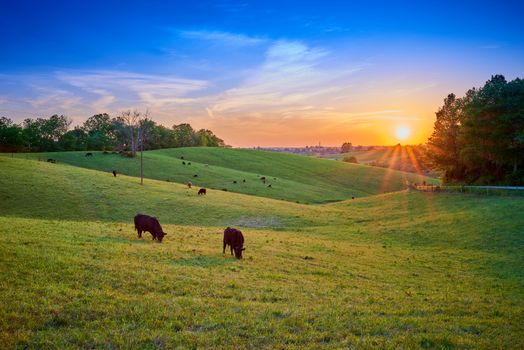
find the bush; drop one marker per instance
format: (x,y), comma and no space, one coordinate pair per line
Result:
(351,159)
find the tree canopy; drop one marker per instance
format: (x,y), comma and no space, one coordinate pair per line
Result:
(479,138)
(99,132)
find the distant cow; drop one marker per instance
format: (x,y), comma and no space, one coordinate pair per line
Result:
(183,163)
(51,160)
(114,173)
(150,224)
(235,240)
(188,163)
(244,180)
(195,175)
(202,191)
(269,185)
(263,178)
(182,157)
(189,184)
(234,181)
(89,154)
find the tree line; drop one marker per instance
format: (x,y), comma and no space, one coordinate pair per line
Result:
(125,132)
(479,138)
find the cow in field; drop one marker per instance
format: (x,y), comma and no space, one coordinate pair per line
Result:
(89,154)
(189,184)
(150,224)
(51,160)
(114,173)
(202,191)
(235,240)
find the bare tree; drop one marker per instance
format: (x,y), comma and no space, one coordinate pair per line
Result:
(134,123)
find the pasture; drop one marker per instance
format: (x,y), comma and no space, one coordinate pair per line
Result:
(292,177)
(388,270)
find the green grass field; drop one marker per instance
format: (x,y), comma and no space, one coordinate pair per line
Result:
(401,270)
(292,178)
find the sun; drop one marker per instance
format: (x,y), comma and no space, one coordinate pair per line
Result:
(402,132)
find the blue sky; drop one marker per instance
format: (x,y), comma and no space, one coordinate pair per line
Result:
(256,73)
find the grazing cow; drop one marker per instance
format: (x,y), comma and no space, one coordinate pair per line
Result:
(150,224)
(189,184)
(235,240)
(183,163)
(244,180)
(114,173)
(352,197)
(182,157)
(224,189)
(188,163)
(202,191)
(89,154)
(51,160)
(195,175)
(269,185)
(234,181)
(263,178)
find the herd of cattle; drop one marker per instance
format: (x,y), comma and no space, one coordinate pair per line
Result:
(232,237)
(145,223)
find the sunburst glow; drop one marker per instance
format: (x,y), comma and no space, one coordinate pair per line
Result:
(402,132)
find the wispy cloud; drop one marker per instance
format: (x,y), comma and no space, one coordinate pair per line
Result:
(220,37)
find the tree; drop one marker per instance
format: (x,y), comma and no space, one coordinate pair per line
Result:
(346,147)
(100,131)
(480,138)
(11,136)
(351,159)
(184,135)
(443,148)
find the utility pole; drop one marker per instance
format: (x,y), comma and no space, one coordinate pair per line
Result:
(141,155)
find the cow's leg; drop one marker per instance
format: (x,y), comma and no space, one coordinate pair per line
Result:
(231,247)
(139,233)
(224,248)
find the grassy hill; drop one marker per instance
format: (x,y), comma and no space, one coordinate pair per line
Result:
(397,270)
(404,158)
(292,178)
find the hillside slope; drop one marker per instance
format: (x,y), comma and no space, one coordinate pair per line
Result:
(292,178)
(397,270)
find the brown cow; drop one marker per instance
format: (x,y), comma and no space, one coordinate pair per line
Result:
(202,191)
(235,240)
(150,224)
(114,173)
(189,184)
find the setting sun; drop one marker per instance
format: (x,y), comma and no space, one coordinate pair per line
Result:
(402,132)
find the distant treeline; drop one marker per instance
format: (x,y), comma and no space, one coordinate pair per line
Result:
(479,138)
(127,132)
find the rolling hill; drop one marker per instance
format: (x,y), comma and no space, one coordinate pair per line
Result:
(403,269)
(292,178)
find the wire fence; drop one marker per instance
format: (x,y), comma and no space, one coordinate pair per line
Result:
(481,190)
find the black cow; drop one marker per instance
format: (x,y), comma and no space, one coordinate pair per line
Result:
(235,240)
(196,175)
(114,173)
(51,160)
(150,224)
(183,163)
(202,191)
(89,154)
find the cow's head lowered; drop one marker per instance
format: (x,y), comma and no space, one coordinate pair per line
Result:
(160,236)
(238,251)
